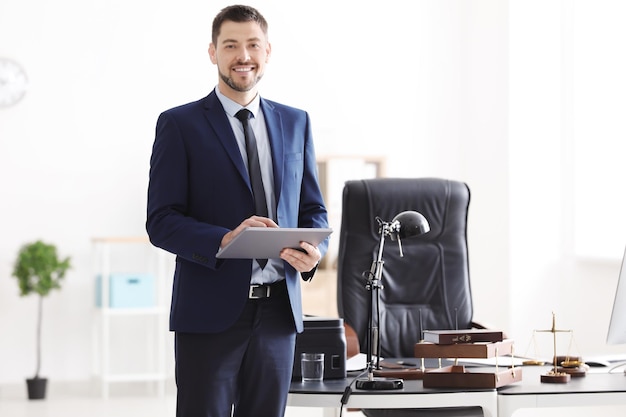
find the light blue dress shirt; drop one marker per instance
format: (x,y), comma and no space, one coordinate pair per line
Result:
(274,270)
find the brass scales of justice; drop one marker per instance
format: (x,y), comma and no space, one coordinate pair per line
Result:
(563,368)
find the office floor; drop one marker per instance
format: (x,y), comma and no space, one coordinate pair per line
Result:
(119,407)
(80,400)
(136,400)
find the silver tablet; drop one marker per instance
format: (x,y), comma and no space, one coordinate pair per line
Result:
(267,242)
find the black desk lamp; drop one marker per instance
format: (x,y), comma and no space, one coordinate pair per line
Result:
(405,225)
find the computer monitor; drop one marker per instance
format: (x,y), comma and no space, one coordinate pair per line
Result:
(617,325)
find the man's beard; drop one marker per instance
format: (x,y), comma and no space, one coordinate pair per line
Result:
(242,88)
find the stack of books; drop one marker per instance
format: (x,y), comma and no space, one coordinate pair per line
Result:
(466,343)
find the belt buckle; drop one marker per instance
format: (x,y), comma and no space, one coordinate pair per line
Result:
(264,294)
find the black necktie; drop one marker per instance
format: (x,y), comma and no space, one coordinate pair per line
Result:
(254,169)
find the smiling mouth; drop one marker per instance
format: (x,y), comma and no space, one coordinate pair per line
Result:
(243,69)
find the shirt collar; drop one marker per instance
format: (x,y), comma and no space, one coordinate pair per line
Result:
(231,107)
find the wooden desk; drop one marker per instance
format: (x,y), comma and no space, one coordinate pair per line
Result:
(604,392)
(593,390)
(327,395)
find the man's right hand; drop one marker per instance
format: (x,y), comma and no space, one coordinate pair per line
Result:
(253,221)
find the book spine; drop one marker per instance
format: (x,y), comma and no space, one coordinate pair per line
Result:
(450,339)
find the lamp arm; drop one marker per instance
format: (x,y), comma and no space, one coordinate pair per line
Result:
(400,247)
(415,224)
(374,285)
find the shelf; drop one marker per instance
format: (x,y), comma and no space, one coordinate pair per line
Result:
(121,239)
(133,311)
(110,254)
(458,376)
(464,350)
(139,377)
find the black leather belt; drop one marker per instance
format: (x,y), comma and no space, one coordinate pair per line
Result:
(258,291)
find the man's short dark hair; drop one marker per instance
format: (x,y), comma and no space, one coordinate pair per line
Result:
(239,14)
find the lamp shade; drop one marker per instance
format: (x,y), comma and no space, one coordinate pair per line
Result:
(409,224)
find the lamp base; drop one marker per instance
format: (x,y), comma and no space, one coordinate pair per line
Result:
(379,384)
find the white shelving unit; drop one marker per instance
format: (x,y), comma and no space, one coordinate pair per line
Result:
(334,171)
(151,347)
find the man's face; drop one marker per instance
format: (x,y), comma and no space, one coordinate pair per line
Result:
(241,52)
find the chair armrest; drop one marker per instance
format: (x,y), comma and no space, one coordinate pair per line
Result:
(477,325)
(352,341)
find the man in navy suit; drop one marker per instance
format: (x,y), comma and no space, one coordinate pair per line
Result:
(235,321)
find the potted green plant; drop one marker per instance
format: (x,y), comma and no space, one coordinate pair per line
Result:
(39,270)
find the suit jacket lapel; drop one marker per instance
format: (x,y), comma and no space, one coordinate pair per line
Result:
(275,131)
(218,120)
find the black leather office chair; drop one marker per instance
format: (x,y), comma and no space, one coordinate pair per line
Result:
(428,288)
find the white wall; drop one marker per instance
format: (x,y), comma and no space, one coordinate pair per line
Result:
(469,90)
(566,146)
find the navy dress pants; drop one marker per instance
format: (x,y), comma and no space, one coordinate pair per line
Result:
(245,370)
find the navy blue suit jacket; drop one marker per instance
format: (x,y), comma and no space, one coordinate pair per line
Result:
(199,190)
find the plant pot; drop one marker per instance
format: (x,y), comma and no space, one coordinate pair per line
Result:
(36,388)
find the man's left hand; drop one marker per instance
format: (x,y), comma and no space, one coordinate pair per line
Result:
(302,260)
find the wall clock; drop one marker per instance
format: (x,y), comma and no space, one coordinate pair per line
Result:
(13,82)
